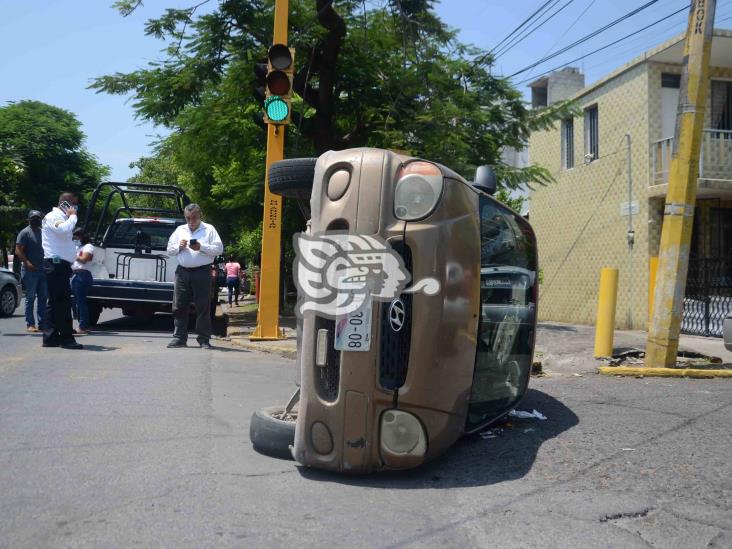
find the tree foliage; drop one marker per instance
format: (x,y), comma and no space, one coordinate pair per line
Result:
(41,155)
(388,75)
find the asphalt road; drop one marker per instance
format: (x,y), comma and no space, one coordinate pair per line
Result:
(128,443)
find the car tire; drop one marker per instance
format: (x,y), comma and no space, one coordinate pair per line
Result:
(270,435)
(95,311)
(8,301)
(292,178)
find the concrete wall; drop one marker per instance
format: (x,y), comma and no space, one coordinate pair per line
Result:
(563,84)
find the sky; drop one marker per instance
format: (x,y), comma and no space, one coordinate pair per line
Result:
(53,49)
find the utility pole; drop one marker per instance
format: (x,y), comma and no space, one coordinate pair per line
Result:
(268,319)
(678,215)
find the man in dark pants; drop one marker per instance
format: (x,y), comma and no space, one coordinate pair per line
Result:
(29,252)
(59,253)
(196,244)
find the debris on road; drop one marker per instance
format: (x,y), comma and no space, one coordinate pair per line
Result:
(521,414)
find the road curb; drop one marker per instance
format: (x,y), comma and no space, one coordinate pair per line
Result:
(284,352)
(642,371)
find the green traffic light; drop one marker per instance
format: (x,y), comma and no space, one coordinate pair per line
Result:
(276,108)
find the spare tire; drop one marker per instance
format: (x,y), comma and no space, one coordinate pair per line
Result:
(271,434)
(293,177)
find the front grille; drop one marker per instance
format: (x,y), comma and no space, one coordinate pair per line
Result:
(327,377)
(394,345)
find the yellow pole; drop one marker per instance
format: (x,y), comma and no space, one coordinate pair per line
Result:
(268,318)
(606,303)
(652,270)
(673,257)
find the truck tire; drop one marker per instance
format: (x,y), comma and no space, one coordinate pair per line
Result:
(95,310)
(293,177)
(270,435)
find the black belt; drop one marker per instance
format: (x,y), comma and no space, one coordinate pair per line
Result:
(193,269)
(56,260)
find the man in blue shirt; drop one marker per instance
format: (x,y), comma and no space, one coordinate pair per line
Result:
(29,250)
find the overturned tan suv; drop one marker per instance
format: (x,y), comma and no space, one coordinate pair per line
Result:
(398,382)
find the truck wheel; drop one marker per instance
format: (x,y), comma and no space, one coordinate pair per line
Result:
(293,177)
(95,310)
(272,432)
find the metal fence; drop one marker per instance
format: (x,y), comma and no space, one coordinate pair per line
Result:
(708,298)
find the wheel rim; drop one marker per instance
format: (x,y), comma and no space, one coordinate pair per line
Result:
(7,302)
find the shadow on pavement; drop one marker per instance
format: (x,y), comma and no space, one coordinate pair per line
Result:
(473,461)
(556,327)
(97,348)
(161,323)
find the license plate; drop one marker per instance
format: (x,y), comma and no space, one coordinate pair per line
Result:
(353,331)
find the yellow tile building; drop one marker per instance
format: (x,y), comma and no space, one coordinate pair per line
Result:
(610,164)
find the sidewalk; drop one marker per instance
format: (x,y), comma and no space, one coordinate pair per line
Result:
(243,320)
(563,349)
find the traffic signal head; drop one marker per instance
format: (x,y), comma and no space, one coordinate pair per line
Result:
(280,73)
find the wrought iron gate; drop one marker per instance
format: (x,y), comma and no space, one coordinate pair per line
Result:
(708,298)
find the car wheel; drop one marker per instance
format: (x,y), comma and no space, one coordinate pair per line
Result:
(272,432)
(292,178)
(8,301)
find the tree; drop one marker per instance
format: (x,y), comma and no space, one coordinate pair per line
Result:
(391,76)
(41,155)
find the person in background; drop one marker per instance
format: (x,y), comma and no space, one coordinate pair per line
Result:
(233,269)
(59,252)
(195,244)
(82,279)
(29,253)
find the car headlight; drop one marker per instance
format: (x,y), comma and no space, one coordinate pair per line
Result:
(418,190)
(402,434)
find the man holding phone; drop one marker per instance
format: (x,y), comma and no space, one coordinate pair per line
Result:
(196,244)
(59,252)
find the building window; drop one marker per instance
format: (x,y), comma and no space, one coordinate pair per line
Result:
(669,80)
(721,105)
(592,134)
(568,144)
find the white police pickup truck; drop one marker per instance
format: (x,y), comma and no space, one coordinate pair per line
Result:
(130,224)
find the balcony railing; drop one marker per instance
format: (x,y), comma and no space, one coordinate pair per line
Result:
(715,161)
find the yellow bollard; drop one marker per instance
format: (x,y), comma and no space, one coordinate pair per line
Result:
(607,300)
(652,269)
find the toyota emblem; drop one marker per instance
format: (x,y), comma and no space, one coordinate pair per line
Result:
(397,315)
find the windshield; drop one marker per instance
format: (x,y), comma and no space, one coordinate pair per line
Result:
(139,235)
(507,311)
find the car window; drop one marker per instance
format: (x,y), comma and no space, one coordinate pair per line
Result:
(508,306)
(131,235)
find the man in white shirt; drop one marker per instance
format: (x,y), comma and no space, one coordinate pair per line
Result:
(59,252)
(196,244)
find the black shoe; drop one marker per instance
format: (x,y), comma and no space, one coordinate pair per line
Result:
(74,346)
(51,344)
(176,343)
(205,345)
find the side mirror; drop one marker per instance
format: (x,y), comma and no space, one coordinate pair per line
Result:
(485,180)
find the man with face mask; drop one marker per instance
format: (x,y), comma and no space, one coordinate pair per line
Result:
(196,244)
(59,252)
(29,250)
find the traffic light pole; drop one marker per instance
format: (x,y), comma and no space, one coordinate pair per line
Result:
(268,320)
(678,216)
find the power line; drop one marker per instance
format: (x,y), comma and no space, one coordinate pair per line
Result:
(510,34)
(612,43)
(586,37)
(551,49)
(528,32)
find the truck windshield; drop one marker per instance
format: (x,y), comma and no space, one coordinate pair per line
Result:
(133,234)
(508,306)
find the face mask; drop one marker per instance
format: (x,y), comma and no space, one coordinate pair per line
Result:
(35,222)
